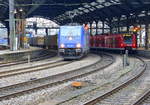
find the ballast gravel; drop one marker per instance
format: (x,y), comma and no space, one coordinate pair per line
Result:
(35,97)
(20,66)
(104,83)
(90,59)
(48,96)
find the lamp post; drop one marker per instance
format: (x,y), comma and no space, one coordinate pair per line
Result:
(20,12)
(20,26)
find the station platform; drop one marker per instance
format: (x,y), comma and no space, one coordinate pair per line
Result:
(143,49)
(3,52)
(142,52)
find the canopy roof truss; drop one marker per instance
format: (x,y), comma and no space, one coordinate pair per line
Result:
(63,11)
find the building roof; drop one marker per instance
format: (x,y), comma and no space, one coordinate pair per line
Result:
(65,11)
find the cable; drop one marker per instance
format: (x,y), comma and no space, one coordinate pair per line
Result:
(55,4)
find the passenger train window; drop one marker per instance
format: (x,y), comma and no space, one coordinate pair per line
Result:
(128,39)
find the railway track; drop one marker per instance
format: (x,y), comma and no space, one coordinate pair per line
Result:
(40,83)
(41,57)
(144,99)
(120,94)
(31,69)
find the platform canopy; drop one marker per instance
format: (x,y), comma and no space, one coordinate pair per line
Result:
(63,11)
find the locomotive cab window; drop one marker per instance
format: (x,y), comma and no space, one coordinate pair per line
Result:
(128,39)
(70,31)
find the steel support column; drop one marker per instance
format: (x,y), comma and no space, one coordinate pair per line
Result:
(146,31)
(23,24)
(46,31)
(35,27)
(18,27)
(46,39)
(96,27)
(8,34)
(118,25)
(13,39)
(146,36)
(110,25)
(127,23)
(90,28)
(140,33)
(103,27)
(8,31)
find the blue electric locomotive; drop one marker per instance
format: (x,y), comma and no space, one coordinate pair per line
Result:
(73,42)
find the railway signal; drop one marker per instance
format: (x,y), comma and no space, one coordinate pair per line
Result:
(136,29)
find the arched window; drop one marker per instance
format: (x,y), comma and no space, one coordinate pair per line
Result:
(3,31)
(41,27)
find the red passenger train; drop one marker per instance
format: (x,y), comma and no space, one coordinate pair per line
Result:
(114,41)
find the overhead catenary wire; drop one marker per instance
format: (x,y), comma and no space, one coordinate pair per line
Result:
(54,4)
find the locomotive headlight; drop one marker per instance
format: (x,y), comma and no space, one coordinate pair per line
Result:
(62,45)
(78,45)
(70,38)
